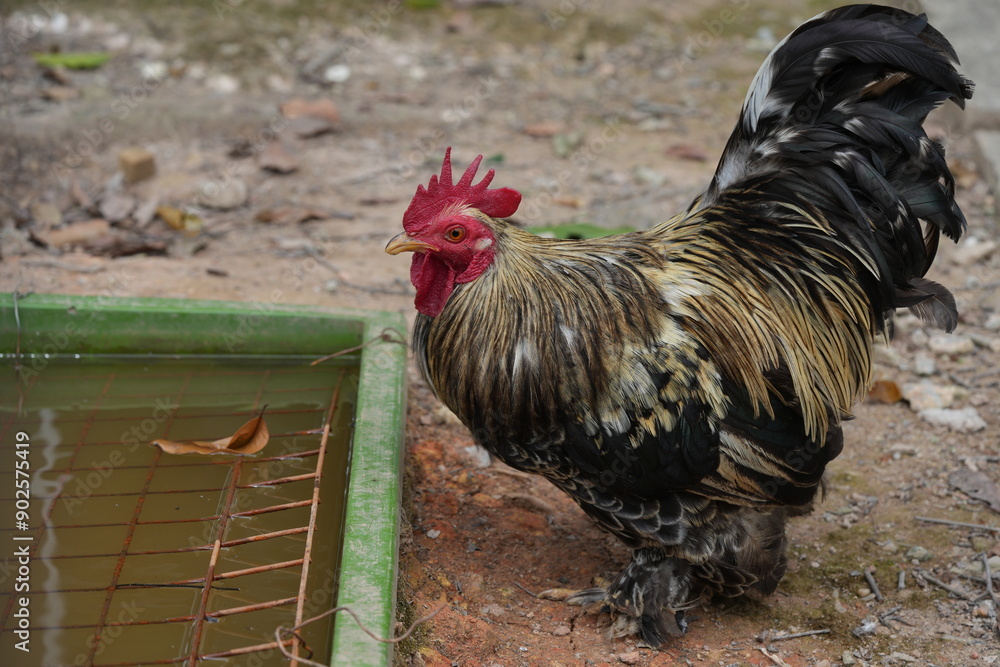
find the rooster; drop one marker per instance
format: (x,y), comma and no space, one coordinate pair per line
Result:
(686,385)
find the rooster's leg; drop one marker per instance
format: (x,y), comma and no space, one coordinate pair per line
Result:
(648,598)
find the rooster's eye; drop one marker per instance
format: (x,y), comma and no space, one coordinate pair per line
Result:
(455,234)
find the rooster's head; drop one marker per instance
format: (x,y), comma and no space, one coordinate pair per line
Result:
(446,227)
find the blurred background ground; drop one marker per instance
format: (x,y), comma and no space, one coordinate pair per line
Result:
(288,137)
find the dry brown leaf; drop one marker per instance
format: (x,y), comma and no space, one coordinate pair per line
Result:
(885,391)
(76,233)
(180,220)
(275,157)
(248,439)
(298,107)
(548,129)
(688,152)
(289,215)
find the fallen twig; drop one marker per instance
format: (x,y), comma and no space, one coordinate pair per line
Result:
(280,632)
(957,524)
(937,582)
(988,576)
(873,585)
(775,659)
(383,337)
(797,635)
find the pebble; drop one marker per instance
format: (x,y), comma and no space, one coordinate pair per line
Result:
(926,395)
(974,250)
(951,344)
(965,420)
(848,659)
(224,195)
(993,322)
(864,592)
(918,553)
(630,658)
(433,533)
(924,364)
(905,657)
(561,631)
(223,83)
(338,73)
(493,609)
(46,215)
(136,164)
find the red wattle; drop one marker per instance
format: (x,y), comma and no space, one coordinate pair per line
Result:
(434,281)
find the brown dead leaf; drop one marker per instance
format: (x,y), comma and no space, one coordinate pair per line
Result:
(885,391)
(688,152)
(298,107)
(60,93)
(543,129)
(289,215)
(248,439)
(307,127)
(75,233)
(180,220)
(275,157)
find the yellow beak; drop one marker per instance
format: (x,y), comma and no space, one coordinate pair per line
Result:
(403,242)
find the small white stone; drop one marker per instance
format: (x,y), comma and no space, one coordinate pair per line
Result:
(338,73)
(924,364)
(966,420)
(951,344)
(925,395)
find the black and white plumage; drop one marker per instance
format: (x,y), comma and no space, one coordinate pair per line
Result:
(685,385)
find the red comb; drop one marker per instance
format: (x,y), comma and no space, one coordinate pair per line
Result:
(440,195)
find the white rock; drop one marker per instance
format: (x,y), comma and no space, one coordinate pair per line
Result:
(993,322)
(337,73)
(924,364)
(223,194)
(951,344)
(223,83)
(974,250)
(925,395)
(966,420)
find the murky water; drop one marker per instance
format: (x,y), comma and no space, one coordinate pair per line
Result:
(119,535)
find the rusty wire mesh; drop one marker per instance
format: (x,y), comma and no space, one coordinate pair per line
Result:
(143,558)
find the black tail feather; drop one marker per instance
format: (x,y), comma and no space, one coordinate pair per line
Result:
(834,120)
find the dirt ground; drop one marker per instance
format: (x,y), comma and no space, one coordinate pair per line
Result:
(610,113)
